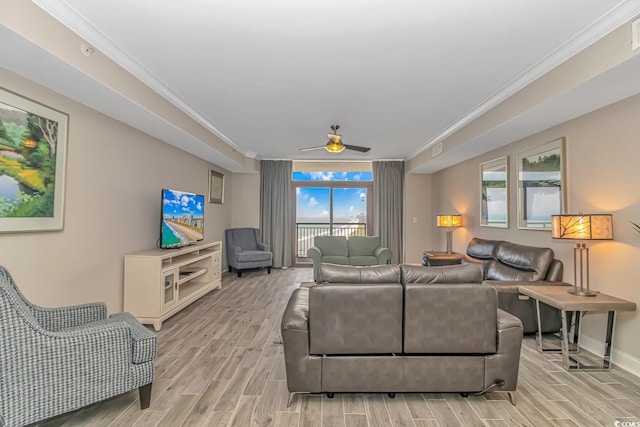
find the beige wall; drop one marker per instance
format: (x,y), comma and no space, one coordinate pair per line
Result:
(113,181)
(417,217)
(245,193)
(603,175)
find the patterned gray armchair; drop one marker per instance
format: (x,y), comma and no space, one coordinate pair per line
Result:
(56,360)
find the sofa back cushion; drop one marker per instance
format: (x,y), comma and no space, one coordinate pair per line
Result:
(463,273)
(244,238)
(355,318)
(363,245)
(519,262)
(482,248)
(331,245)
(333,273)
(445,318)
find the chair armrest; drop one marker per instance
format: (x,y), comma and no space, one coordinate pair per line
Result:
(303,370)
(504,364)
(314,253)
(263,247)
(55,319)
(507,321)
(383,255)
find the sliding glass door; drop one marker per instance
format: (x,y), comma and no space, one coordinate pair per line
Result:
(330,209)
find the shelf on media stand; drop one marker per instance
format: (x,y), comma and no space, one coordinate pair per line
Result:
(190,274)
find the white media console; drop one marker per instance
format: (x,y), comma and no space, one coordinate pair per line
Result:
(160,282)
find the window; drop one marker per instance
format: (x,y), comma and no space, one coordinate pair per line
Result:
(331,204)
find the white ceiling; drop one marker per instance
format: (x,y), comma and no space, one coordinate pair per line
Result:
(269,77)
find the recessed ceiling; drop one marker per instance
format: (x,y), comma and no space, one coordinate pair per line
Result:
(270,77)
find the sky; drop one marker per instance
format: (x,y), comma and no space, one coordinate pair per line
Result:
(313,203)
(332,176)
(179,203)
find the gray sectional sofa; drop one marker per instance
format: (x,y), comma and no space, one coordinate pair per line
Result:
(506,266)
(399,329)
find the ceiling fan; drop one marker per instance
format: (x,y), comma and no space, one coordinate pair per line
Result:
(335,144)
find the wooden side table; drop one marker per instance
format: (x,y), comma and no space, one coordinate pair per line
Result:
(439,258)
(557,296)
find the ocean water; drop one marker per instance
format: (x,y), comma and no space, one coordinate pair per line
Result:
(169,237)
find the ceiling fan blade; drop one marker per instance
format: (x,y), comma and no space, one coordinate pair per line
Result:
(311,148)
(357,148)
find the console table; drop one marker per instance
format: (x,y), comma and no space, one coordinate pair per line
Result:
(438,258)
(557,296)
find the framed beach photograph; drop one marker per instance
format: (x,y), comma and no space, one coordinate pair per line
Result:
(541,188)
(494,193)
(216,187)
(33,143)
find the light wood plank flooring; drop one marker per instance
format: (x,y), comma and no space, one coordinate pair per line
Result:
(217,366)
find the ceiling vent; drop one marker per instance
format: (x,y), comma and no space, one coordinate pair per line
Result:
(436,150)
(635,34)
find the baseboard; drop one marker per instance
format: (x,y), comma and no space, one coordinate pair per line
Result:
(619,358)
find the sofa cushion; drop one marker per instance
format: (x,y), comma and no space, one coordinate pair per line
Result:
(332,245)
(363,246)
(363,260)
(495,270)
(528,258)
(355,318)
(336,259)
(440,318)
(482,249)
(253,256)
(352,274)
(463,273)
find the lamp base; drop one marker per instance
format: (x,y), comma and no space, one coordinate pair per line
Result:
(582,293)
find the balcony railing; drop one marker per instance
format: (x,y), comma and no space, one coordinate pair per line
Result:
(305,232)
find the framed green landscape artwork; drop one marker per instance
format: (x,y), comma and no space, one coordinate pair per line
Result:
(541,183)
(33,141)
(494,193)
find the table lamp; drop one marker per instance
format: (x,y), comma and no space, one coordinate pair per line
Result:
(582,227)
(449,221)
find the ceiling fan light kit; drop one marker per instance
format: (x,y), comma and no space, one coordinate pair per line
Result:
(335,144)
(334,147)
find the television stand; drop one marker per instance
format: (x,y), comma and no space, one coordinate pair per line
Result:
(158,283)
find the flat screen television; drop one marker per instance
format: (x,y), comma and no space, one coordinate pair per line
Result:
(182,219)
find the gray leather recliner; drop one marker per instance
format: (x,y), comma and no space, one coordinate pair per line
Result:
(506,266)
(399,329)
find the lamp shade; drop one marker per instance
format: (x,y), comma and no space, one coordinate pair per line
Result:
(582,226)
(449,221)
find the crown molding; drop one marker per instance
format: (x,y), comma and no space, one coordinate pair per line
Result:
(614,18)
(72,19)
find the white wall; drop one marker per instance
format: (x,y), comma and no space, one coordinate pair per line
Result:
(113,181)
(603,176)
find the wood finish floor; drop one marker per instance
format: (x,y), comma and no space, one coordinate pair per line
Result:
(217,366)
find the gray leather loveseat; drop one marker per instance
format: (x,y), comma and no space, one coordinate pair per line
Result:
(399,329)
(506,266)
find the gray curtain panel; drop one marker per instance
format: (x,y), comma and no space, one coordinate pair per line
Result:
(388,190)
(275,209)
